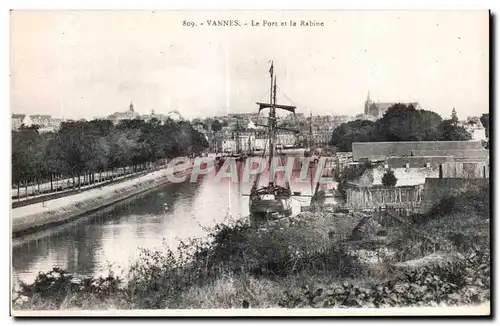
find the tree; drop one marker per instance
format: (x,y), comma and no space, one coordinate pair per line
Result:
(350,173)
(389,179)
(71,147)
(216,126)
(404,123)
(25,145)
(353,131)
(82,148)
(449,131)
(485,120)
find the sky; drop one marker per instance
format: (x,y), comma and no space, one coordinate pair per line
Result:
(87,64)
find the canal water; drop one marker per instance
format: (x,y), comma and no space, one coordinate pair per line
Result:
(111,238)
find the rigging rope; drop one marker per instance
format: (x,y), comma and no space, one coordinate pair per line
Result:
(289,99)
(257,177)
(266,94)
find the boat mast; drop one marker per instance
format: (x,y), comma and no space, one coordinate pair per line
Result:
(310,131)
(237,135)
(272,122)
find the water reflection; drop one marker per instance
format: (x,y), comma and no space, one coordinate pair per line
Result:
(113,235)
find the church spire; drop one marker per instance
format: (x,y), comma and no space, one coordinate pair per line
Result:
(368,103)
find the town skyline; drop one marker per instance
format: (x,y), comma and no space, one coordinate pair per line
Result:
(79,65)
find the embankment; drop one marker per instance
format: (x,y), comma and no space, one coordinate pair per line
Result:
(31,218)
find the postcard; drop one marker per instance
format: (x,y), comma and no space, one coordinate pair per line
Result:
(250,163)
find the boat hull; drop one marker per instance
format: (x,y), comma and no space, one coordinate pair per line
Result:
(269,209)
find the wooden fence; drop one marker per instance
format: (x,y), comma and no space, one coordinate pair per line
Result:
(465,170)
(369,198)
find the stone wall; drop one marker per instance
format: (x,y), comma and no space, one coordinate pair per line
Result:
(436,189)
(380,151)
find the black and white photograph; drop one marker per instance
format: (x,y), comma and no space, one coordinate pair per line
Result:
(249,162)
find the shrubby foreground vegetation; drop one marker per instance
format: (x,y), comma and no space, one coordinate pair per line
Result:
(301,261)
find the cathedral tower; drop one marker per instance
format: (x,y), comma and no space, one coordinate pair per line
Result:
(368,103)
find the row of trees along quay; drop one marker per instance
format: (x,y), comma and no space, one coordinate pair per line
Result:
(80,151)
(401,123)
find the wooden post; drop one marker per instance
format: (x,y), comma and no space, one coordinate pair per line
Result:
(440,171)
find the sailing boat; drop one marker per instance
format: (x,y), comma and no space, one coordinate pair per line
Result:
(273,200)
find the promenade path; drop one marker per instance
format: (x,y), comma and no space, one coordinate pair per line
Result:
(55,204)
(67,184)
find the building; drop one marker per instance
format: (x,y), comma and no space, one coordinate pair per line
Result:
(413,162)
(478,133)
(286,139)
(174,115)
(130,114)
(381,151)
(474,127)
(20,119)
(228,145)
(41,120)
(407,176)
(337,120)
(52,126)
(44,122)
(249,140)
(261,144)
(153,115)
(365,117)
(244,116)
(414,170)
(377,109)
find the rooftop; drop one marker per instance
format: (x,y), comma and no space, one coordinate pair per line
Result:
(457,153)
(418,161)
(40,116)
(380,151)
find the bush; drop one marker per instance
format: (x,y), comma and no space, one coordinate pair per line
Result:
(53,289)
(453,283)
(159,279)
(239,262)
(351,173)
(389,179)
(455,224)
(296,244)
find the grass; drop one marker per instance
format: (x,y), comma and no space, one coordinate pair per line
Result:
(295,262)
